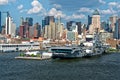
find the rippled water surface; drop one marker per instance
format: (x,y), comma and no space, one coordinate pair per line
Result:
(105,67)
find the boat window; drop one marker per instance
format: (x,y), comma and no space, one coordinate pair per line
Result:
(61,50)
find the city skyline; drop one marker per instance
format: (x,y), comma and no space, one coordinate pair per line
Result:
(67,9)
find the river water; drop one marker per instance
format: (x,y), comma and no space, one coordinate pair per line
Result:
(105,67)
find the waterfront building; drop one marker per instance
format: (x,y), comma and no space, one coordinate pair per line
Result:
(95,22)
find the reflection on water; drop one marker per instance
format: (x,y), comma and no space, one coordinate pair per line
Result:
(105,67)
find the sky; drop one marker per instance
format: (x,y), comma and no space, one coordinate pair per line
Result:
(76,10)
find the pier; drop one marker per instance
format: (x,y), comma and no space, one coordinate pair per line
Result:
(32,58)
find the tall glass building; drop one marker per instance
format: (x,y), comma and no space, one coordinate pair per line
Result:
(117,29)
(29,20)
(0,23)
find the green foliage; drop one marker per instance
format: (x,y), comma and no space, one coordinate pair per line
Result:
(22,54)
(33,55)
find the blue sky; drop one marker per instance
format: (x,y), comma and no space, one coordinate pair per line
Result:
(77,10)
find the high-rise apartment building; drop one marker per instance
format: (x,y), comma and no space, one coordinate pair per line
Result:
(95,22)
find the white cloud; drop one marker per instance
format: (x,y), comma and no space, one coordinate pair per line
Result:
(23,10)
(36,7)
(20,7)
(108,11)
(57,6)
(78,16)
(84,9)
(56,13)
(118,6)
(75,16)
(112,3)
(101,1)
(3,2)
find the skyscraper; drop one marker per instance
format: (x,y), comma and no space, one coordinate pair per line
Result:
(30,21)
(69,25)
(21,21)
(37,30)
(95,22)
(89,21)
(113,20)
(49,19)
(0,23)
(79,27)
(10,26)
(117,29)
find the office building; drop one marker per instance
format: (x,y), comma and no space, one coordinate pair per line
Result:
(69,25)
(95,22)
(79,27)
(30,21)
(37,30)
(21,21)
(113,20)
(117,29)
(10,27)
(0,23)
(48,19)
(89,21)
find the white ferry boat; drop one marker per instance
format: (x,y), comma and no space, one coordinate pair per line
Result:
(18,47)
